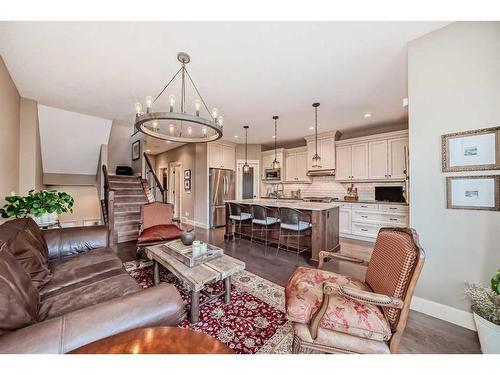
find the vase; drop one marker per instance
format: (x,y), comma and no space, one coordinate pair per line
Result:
(489,335)
(187,237)
(45,219)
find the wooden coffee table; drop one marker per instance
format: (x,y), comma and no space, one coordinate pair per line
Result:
(196,278)
(157,340)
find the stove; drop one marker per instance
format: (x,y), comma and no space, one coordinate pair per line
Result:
(320,199)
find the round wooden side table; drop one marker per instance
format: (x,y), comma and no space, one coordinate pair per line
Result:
(156,340)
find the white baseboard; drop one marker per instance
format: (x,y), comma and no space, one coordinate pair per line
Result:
(443,312)
(198,224)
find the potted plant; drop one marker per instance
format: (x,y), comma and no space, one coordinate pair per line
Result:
(486,311)
(43,206)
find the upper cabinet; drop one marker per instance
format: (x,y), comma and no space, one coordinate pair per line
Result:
(268,158)
(373,158)
(221,155)
(296,165)
(326,150)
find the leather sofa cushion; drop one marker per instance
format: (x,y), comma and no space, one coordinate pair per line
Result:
(90,292)
(162,232)
(73,269)
(18,297)
(71,241)
(26,243)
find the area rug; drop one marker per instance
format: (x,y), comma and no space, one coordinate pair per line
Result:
(253,322)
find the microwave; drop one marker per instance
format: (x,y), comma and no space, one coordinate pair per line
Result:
(272,174)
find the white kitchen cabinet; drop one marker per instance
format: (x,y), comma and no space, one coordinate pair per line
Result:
(221,155)
(396,157)
(378,157)
(360,161)
(345,220)
(268,158)
(326,150)
(296,165)
(378,168)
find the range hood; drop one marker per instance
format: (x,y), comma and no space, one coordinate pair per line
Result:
(321,172)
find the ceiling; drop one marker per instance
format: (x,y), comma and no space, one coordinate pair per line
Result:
(249,70)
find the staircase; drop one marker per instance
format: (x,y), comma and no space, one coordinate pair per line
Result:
(129,196)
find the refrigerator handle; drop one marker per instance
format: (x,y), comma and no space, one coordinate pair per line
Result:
(225,186)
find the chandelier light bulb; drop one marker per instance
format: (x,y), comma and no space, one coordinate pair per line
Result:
(220,120)
(155,126)
(205,130)
(149,103)
(171,101)
(215,113)
(171,128)
(197,106)
(190,130)
(138,108)
(246,168)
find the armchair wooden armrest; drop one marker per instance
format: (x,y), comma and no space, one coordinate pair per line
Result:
(362,296)
(330,255)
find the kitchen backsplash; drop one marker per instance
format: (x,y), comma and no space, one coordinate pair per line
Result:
(327,187)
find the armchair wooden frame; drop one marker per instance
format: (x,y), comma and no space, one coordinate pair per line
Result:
(365,297)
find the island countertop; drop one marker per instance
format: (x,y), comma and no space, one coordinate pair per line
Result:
(297,204)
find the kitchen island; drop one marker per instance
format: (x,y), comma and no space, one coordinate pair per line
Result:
(324,221)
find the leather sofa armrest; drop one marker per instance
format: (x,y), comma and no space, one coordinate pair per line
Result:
(70,241)
(157,306)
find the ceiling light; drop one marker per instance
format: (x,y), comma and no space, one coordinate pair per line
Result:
(199,128)
(275,164)
(316,160)
(168,141)
(273,136)
(368,115)
(246,167)
(148,150)
(235,136)
(311,127)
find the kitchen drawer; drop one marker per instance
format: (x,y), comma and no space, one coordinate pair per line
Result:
(346,206)
(397,220)
(379,217)
(364,206)
(398,208)
(365,230)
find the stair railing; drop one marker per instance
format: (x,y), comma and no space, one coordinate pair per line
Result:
(157,189)
(109,204)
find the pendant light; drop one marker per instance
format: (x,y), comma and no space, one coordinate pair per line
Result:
(246,167)
(276,164)
(316,160)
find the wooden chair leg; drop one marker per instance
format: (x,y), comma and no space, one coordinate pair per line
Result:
(296,346)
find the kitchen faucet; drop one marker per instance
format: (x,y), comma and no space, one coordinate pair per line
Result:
(277,192)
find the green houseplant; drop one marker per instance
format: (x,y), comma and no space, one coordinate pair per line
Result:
(43,206)
(486,312)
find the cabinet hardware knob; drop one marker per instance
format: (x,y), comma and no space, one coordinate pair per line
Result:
(366,217)
(392,219)
(364,230)
(392,208)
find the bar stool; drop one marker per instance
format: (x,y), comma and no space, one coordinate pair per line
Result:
(236,214)
(263,218)
(291,226)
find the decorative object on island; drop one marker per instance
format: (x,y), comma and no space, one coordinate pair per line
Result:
(246,167)
(43,206)
(136,150)
(275,164)
(316,160)
(187,237)
(473,192)
(474,150)
(352,193)
(179,126)
(486,312)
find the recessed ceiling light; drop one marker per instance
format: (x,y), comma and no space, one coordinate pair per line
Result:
(148,150)
(368,115)
(274,136)
(168,141)
(311,127)
(235,136)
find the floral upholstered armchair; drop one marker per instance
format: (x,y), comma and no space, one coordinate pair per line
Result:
(334,313)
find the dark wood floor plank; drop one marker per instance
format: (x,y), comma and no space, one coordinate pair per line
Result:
(423,334)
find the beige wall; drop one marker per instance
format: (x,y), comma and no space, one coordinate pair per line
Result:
(86,205)
(454,85)
(30,155)
(9,134)
(254,152)
(119,145)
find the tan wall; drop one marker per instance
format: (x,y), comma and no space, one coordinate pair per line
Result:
(254,152)
(454,85)
(9,134)
(119,145)
(30,155)
(200,182)
(86,205)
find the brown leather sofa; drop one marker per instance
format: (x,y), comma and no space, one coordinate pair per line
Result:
(64,288)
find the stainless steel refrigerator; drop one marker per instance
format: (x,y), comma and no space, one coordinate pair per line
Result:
(221,189)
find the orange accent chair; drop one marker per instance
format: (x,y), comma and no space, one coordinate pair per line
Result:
(156,226)
(335,313)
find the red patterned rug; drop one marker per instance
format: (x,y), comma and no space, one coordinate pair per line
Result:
(253,322)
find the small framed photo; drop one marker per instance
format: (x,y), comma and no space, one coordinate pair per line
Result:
(475,150)
(473,192)
(187,185)
(136,150)
(187,174)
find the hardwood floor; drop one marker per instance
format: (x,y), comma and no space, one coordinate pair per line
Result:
(423,334)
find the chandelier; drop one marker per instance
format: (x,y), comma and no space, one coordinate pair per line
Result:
(176,124)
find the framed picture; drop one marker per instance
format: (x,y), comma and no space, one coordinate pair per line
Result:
(187,185)
(136,150)
(187,174)
(473,150)
(473,192)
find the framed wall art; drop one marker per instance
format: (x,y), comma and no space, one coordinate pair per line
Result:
(473,150)
(187,185)
(473,192)
(187,174)
(136,150)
